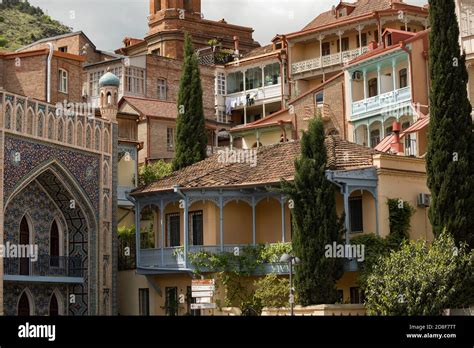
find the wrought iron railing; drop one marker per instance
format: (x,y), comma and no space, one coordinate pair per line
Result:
(45,266)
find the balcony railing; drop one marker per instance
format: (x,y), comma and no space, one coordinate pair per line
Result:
(380,102)
(173,258)
(329,60)
(44,266)
(253,96)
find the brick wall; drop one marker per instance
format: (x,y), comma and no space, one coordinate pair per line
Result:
(74,69)
(170,70)
(158,138)
(305,107)
(28,78)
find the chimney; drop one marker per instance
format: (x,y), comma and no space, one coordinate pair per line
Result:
(372,45)
(396,145)
(236,45)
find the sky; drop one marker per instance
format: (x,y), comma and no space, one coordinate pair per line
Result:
(107,22)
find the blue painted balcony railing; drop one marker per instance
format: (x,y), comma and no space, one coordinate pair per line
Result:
(45,268)
(380,103)
(171,259)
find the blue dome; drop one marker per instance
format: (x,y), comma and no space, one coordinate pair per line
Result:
(109,79)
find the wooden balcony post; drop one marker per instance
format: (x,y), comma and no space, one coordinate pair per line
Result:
(162,223)
(221,222)
(137,232)
(283,227)
(254,222)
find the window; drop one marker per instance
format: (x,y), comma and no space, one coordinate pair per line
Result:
(24,305)
(63,49)
(340,296)
(373,89)
(374,137)
(24,240)
(376,35)
(388,130)
(403,78)
(389,40)
(357,296)
(135,80)
(319,98)
(54,245)
(171,301)
(272,74)
(188,5)
(355,208)
(364,40)
(144,302)
(326,49)
(156,52)
(162,89)
(235,82)
(253,78)
(345,44)
(221,116)
(53,306)
(220,84)
(173,228)
(62,81)
(196,236)
(170,139)
(95,76)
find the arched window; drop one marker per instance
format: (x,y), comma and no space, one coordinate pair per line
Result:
(89,137)
(62,81)
(54,246)
(403,76)
(24,305)
(40,125)
(60,129)
(70,132)
(105,144)
(373,90)
(79,131)
(51,127)
(24,240)
(109,98)
(97,139)
(374,137)
(54,306)
(19,119)
(29,121)
(8,116)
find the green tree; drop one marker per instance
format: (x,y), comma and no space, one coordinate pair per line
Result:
(420,279)
(400,213)
(450,157)
(315,220)
(152,172)
(191,138)
(272,291)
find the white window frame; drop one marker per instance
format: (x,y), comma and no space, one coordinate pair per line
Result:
(170,138)
(220,83)
(63,81)
(162,88)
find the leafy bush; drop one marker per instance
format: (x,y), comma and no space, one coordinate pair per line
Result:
(150,173)
(400,213)
(272,291)
(420,279)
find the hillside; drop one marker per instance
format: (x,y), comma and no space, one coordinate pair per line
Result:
(22,24)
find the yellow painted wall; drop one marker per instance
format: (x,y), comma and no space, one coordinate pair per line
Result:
(126,172)
(267,138)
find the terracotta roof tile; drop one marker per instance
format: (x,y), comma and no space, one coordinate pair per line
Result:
(273,163)
(361,7)
(152,107)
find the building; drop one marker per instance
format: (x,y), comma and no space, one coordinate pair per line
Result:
(465,13)
(335,37)
(228,205)
(58,178)
(170,19)
(390,84)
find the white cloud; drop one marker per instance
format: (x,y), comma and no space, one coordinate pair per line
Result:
(107,22)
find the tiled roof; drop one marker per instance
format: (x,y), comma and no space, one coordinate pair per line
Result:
(259,51)
(273,163)
(361,7)
(153,107)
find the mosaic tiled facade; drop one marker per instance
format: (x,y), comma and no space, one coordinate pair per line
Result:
(58,169)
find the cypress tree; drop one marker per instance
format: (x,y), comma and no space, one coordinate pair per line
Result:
(450,157)
(315,221)
(191,138)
